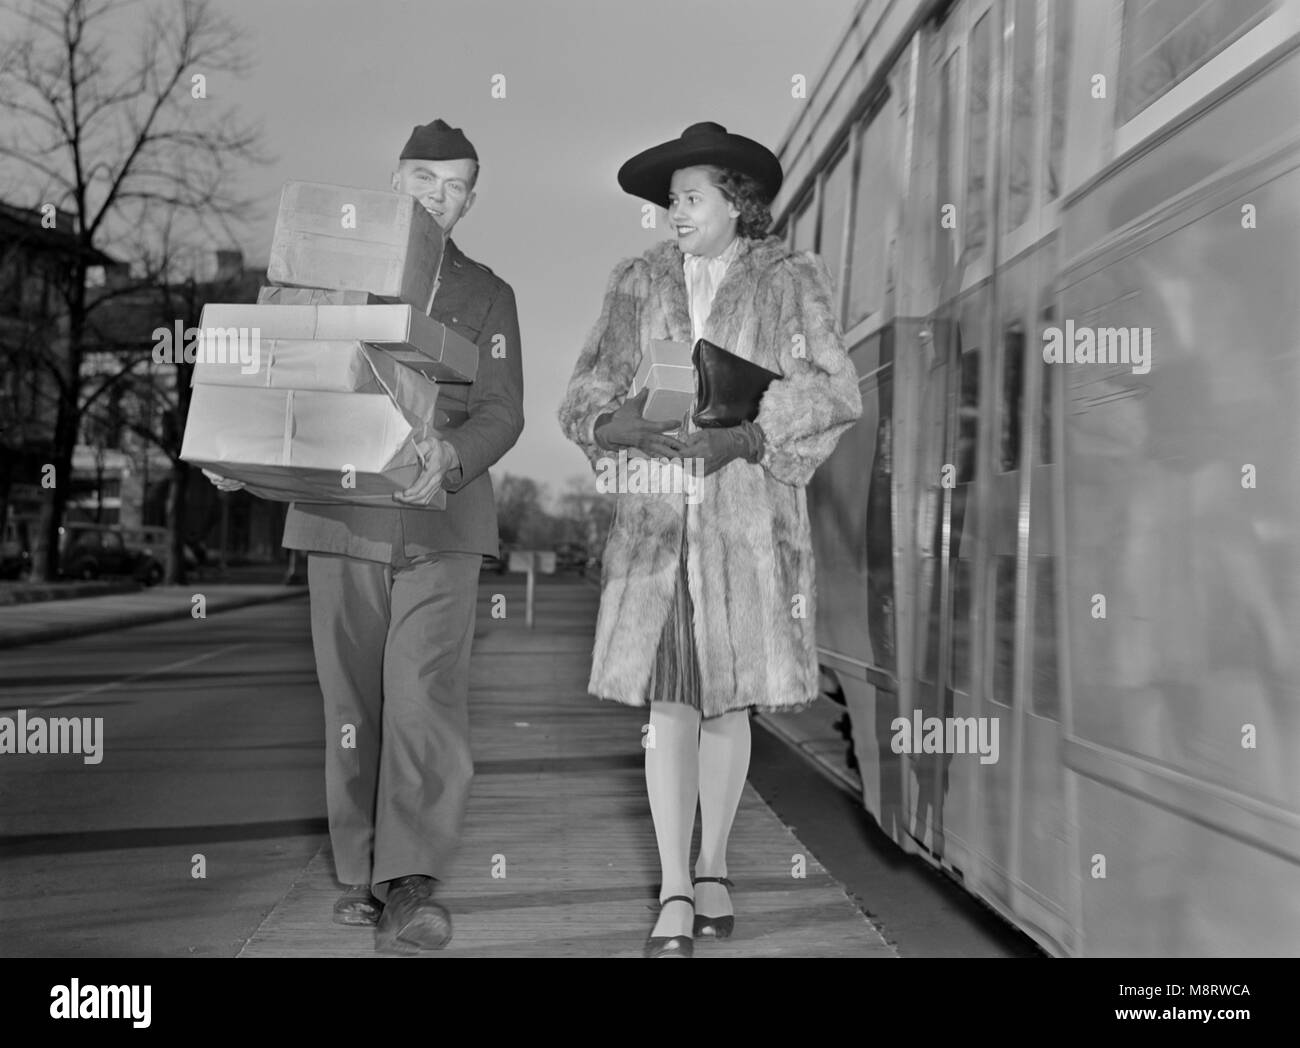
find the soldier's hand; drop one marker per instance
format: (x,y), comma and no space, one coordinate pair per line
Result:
(436,458)
(223,483)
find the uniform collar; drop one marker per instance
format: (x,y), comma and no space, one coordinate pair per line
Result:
(455,256)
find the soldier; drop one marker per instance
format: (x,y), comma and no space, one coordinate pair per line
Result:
(393,597)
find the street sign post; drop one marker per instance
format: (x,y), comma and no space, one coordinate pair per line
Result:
(532,562)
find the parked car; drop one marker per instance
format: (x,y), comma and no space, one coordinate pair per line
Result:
(152,541)
(92,551)
(570,556)
(16,548)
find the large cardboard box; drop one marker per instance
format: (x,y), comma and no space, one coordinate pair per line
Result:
(331,366)
(347,239)
(666,370)
(405,333)
(314,296)
(353,446)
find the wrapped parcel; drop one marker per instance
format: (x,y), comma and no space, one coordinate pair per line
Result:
(348,239)
(317,421)
(665,370)
(406,334)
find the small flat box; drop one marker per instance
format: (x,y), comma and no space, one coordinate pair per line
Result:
(666,370)
(407,334)
(342,238)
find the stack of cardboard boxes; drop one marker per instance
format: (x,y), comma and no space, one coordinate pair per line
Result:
(320,391)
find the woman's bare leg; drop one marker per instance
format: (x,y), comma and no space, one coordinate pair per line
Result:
(672,781)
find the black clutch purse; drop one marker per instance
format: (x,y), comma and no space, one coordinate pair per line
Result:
(727,387)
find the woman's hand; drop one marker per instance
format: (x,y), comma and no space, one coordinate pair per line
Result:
(625,428)
(716,447)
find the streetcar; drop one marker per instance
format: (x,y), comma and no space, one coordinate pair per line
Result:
(1093,554)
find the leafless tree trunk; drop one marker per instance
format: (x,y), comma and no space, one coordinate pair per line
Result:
(125,147)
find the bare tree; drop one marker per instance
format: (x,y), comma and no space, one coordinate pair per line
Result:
(125,147)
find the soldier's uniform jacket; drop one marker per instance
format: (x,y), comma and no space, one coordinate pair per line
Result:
(476,303)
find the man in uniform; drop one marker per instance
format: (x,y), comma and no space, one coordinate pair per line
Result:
(393,599)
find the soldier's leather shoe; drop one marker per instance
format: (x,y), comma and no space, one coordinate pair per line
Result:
(411,920)
(357,907)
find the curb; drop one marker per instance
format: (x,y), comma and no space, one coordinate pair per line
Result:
(86,629)
(50,592)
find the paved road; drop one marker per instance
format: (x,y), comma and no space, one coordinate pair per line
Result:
(212,739)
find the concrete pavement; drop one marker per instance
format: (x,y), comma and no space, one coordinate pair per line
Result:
(60,619)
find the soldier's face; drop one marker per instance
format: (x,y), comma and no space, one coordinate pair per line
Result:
(441,186)
(703,219)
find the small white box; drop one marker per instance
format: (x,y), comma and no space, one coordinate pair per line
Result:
(666,370)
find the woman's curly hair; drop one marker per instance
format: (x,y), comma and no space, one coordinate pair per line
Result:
(746,194)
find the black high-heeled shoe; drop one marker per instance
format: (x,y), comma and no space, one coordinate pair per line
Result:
(714,927)
(671,945)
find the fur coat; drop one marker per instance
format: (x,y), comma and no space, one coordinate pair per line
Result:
(749,550)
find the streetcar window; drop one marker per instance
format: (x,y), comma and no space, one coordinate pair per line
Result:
(835,216)
(1164,41)
(946,168)
(1020,169)
(802,226)
(1013,368)
(968,416)
(961,628)
(1047,395)
(1004,630)
(1046,691)
(873,186)
(977,136)
(1062,14)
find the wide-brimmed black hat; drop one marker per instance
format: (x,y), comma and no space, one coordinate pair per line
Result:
(649,174)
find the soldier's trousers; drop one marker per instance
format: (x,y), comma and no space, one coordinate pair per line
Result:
(392,646)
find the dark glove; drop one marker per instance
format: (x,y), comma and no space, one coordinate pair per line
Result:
(625,428)
(717,447)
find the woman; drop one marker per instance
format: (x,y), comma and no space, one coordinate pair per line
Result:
(707,598)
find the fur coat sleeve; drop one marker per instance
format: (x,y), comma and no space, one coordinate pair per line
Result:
(804,414)
(608,361)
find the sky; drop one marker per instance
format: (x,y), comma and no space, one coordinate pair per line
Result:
(338,86)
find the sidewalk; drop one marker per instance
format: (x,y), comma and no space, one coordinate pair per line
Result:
(558,856)
(59,619)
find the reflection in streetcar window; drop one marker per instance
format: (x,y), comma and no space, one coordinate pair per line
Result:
(1062,14)
(1045,688)
(1020,163)
(1164,42)
(1013,368)
(803,228)
(968,416)
(1046,393)
(874,187)
(960,679)
(835,203)
(977,136)
(1003,649)
(946,168)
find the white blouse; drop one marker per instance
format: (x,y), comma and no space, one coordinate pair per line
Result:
(703,275)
